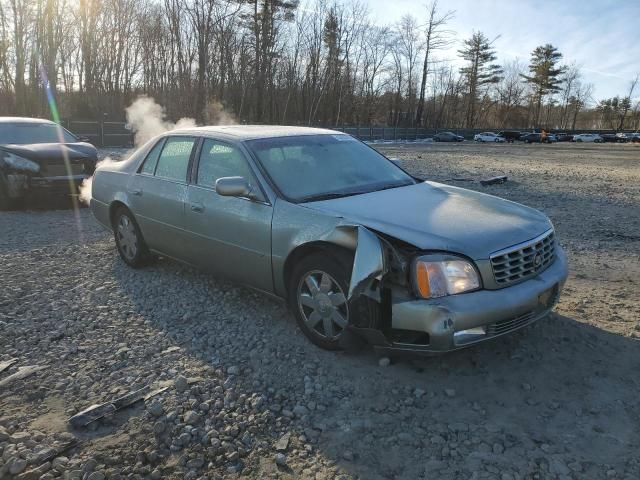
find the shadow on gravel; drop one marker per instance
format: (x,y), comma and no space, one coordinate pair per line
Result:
(558,388)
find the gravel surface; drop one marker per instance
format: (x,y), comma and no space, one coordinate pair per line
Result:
(247,396)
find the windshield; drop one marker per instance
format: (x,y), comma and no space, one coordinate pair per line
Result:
(316,167)
(28,133)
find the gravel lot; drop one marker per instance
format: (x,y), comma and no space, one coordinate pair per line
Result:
(249,397)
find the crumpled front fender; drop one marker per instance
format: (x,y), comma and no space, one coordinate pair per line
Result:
(369,262)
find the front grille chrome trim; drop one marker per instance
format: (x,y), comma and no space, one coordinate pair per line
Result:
(523,261)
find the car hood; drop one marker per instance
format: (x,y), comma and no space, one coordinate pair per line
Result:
(53,153)
(433,216)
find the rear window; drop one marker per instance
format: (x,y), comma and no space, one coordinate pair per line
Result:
(29,133)
(173,163)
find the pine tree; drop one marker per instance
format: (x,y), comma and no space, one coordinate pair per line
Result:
(479,71)
(545,75)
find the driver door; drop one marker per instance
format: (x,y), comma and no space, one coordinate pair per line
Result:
(228,235)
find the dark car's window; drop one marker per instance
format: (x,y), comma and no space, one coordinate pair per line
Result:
(312,167)
(28,133)
(174,159)
(219,160)
(151,161)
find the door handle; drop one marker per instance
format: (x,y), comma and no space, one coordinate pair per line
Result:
(197,207)
(136,192)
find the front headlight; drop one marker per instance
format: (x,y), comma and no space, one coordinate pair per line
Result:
(440,275)
(21,164)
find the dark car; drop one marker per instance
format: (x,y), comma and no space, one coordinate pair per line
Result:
(40,155)
(564,137)
(538,138)
(447,137)
(510,135)
(613,137)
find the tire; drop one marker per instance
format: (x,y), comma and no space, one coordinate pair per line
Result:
(129,241)
(5,201)
(324,315)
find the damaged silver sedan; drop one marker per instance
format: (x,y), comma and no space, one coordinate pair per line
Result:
(352,242)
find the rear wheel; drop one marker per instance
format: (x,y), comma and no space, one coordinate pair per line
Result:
(131,246)
(318,291)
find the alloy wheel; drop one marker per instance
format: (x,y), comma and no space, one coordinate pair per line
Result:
(323,304)
(127,237)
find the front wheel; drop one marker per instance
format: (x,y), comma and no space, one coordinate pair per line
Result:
(131,246)
(317,297)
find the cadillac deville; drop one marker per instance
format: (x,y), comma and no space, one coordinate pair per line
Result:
(352,242)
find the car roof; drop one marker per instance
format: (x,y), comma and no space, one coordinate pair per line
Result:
(24,120)
(251,132)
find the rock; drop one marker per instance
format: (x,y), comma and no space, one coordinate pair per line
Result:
(96,476)
(156,409)
(17,466)
(450,392)
(498,448)
(191,418)
(347,455)
(159,427)
(233,370)
(283,443)
(384,362)
(300,410)
(281,459)
(181,383)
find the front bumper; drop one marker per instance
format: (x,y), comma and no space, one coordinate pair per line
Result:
(497,312)
(60,184)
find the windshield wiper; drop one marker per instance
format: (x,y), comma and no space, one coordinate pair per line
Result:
(328,196)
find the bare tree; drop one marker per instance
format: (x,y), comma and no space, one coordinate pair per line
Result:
(436,37)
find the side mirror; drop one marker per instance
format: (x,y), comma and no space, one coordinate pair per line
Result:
(234,187)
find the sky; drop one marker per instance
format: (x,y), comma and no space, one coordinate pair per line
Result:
(602,37)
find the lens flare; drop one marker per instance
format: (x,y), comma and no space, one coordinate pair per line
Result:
(55,116)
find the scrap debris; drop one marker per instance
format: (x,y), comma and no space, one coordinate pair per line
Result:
(494,180)
(98,411)
(23,372)
(6,364)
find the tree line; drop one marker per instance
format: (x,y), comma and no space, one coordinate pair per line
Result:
(325,62)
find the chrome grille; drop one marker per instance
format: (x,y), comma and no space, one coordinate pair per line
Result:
(505,326)
(523,261)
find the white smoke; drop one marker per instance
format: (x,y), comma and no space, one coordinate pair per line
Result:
(84,191)
(148,119)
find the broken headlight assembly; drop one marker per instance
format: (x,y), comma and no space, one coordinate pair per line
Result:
(19,164)
(440,275)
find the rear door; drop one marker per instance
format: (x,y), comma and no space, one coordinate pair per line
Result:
(158,191)
(229,235)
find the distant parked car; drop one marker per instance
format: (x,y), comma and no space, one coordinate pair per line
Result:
(633,137)
(40,155)
(510,135)
(488,137)
(447,137)
(613,137)
(587,137)
(539,138)
(564,137)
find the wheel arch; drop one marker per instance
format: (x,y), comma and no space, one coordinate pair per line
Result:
(317,246)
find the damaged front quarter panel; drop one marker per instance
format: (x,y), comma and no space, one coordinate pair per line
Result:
(368,263)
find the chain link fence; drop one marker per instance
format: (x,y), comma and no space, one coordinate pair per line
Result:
(119,134)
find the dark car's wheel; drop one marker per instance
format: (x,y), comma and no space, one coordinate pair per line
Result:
(318,290)
(5,201)
(131,246)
